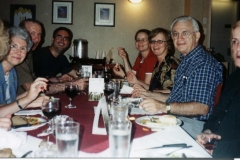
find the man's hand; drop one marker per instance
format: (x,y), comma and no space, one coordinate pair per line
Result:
(153,106)
(82,83)
(205,136)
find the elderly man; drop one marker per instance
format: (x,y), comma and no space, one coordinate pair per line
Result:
(51,61)
(224,123)
(195,82)
(25,70)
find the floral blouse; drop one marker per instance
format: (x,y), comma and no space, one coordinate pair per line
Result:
(163,77)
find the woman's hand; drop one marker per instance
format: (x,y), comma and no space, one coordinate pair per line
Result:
(122,53)
(131,78)
(6,123)
(38,102)
(118,71)
(39,85)
(139,91)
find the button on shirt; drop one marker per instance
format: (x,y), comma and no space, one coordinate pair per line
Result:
(196,79)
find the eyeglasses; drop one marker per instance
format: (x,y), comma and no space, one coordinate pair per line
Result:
(59,37)
(14,47)
(185,34)
(158,42)
(141,40)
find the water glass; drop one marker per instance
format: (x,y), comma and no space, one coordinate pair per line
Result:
(45,153)
(119,138)
(67,138)
(119,111)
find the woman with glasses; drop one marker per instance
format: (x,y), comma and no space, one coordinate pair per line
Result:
(20,43)
(144,63)
(163,75)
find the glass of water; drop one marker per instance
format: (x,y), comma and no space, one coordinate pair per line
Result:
(67,138)
(119,138)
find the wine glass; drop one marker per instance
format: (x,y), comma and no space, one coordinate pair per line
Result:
(50,109)
(71,91)
(108,90)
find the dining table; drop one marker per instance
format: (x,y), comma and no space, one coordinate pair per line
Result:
(94,145)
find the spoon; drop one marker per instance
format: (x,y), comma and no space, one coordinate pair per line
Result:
(25,155)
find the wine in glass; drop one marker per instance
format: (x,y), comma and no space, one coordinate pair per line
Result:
(50,109)
(71,91)
(108,90)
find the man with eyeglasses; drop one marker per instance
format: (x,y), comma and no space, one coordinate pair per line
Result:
(49,61)
(195,81)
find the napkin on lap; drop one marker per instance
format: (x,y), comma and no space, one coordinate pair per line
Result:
(29,112)
(126,89)
(10,139)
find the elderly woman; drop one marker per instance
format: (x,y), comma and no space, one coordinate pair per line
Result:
(20,44)
(145,61)
(164,70)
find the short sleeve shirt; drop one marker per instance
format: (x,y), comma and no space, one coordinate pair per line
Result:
(46,65)
(144,67)
(196,79)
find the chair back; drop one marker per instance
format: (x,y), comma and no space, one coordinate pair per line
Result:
(217,95)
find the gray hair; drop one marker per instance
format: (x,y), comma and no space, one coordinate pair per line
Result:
(184,19)
(22,34)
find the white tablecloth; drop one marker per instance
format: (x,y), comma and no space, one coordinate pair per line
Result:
(167,136)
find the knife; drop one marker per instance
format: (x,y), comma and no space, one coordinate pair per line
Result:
(166,146)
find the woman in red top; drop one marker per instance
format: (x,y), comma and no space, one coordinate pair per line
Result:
(145,61)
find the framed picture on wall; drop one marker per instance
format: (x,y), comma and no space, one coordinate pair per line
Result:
(62,12)
(19,12)
(104,14)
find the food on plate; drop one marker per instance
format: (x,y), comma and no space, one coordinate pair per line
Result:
(170,119)
(7,153)
(22,120)
(19,120)
(33,120)
(165,120)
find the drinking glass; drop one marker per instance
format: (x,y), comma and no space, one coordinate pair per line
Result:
(50,109)
(67,139)
(119,138)
(108,90)
(119,111)
(45,153)
(211,143)
(71,91)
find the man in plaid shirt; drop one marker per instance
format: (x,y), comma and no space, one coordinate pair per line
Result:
(195,81)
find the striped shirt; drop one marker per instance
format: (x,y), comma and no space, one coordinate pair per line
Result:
(196,79)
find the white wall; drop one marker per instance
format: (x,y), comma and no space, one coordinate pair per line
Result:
(128,19)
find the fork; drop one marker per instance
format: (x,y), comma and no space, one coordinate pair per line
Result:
(177,150)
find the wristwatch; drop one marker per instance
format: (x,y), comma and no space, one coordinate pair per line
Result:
(168,108)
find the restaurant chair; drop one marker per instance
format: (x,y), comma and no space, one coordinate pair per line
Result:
(217,95)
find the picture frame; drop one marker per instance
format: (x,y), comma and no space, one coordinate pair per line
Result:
(62,12)
(20,12)
(104,14)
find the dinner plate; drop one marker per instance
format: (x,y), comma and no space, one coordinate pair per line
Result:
(157,125)
(42,122)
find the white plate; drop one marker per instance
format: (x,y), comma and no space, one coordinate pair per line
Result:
(33,127)
(138,121)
